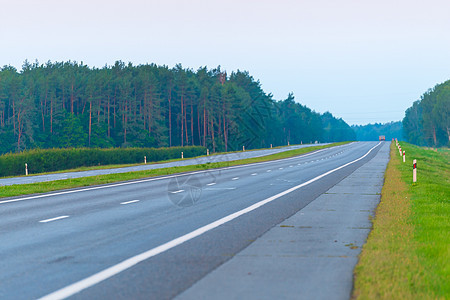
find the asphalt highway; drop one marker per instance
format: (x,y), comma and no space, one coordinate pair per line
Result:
(155,238)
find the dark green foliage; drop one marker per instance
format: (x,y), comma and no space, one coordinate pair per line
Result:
(427,122)
(336,129)
(69,105)
(49,160)
(371,132)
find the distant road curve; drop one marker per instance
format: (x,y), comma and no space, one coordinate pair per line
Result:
(187,162)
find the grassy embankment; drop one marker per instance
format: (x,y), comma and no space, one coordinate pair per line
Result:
(42,187)
(407,254)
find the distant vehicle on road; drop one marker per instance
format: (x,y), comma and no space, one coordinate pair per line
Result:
(382,138)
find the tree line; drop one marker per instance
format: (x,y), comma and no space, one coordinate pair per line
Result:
(372,132)
(68,104)
(427,121)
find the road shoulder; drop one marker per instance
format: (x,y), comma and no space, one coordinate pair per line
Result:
(310,255)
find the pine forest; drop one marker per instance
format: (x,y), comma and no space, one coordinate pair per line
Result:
(427,121)
(70,105)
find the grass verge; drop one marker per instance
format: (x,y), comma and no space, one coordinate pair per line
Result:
(42,187)
(407,254)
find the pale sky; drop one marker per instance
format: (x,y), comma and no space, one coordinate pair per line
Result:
(364,61)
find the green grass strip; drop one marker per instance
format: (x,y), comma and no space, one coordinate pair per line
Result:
(43,187)
(407,254)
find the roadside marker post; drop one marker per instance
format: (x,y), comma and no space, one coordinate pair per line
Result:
(243,148)
(270,146)
(404,156)
(145,159)
(182,155)
(414,171)
(26,169)
(207,152)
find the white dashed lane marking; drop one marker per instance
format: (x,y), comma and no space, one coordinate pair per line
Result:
(235,178)
(212,183)
(129,202)
(53,219)
(176,192)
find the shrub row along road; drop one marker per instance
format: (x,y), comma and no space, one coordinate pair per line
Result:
(155,238)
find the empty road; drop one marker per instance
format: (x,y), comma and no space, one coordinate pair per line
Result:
(156,238)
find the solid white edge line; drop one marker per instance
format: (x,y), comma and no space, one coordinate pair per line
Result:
(53,219)
(129,202)
(128,263)
(165,177)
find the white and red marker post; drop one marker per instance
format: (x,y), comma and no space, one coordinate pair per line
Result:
(414,171)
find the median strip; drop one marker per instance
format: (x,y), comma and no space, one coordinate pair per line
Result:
(120,179)
(163,173)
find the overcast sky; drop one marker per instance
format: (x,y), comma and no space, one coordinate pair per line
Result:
(364,61)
